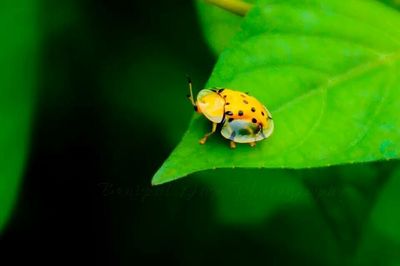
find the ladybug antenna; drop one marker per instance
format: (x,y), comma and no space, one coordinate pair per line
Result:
(190,96)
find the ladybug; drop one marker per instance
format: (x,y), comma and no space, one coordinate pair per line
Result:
(240,117)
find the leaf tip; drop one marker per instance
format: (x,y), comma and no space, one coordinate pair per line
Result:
(157,179)
(164,175)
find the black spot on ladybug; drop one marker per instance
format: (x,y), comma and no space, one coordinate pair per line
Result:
(254,120)
(253,109)
(246,102)
(244,96)
(240,113)
(220,90)
(224,96)
(228,113)
(227,103)
(262,113)
(230,119)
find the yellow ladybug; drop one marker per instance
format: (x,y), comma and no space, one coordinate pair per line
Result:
(242,118)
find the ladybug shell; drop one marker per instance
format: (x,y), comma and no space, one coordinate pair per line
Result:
(245,118)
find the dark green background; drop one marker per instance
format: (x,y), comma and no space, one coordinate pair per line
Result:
(111,105)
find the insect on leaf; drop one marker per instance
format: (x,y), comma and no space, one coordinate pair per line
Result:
(329,74)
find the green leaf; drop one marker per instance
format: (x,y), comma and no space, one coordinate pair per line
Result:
(329,74)
(18,53)
(219,26)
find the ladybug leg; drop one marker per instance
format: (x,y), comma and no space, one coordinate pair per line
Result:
(252,144)
(204,139)
(232,144)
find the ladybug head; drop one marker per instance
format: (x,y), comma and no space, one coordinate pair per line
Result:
(209,103)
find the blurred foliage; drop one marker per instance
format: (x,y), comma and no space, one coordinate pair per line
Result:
(237,190)
(273,57)
(19,36)
(151,71)
(392,3)
(219,26)
(384,217)
(380,242)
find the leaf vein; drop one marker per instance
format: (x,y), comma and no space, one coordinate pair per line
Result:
(342,78)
